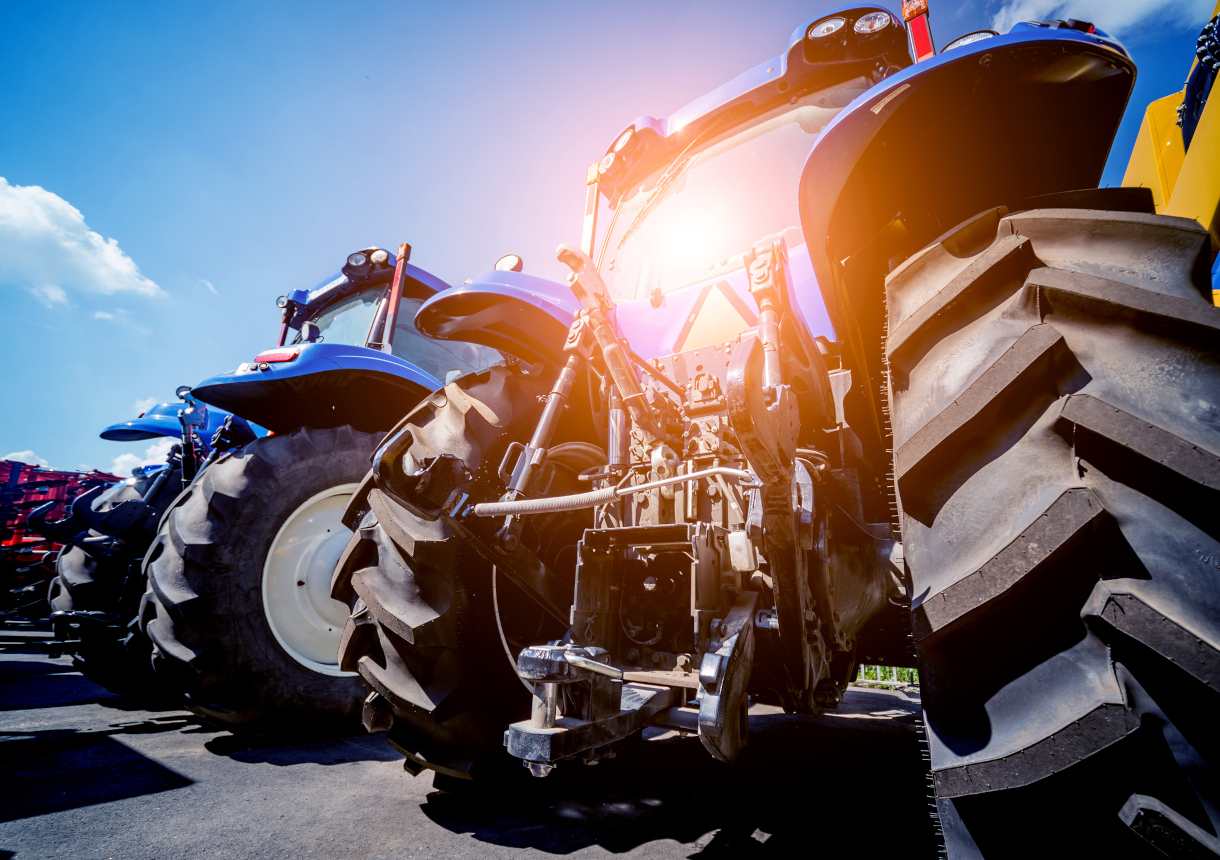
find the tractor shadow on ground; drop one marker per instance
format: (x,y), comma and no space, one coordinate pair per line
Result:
(803,785)
(45,683)
(333,750)
(65,769)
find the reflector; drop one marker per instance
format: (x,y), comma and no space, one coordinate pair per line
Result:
(272,356)
(913,9)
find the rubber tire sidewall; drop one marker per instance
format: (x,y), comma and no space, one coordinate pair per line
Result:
(242,676)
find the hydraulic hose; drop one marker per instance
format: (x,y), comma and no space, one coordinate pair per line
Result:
(547,506)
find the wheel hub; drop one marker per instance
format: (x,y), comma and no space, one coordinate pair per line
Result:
(305,620)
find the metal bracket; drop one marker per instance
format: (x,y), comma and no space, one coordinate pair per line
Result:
(540,746)
(723,678)
(426,492)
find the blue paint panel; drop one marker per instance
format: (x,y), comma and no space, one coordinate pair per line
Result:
(322,357)
(161,420)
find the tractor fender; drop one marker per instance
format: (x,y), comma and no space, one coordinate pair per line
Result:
(322,385)
(160,420)
(526,316)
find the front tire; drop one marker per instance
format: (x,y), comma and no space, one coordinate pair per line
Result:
(238,607)
(1055,398)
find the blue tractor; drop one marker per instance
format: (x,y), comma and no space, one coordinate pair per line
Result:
(98,585)
(238,608)
(864,369)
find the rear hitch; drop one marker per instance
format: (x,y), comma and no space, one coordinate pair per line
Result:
(600,710)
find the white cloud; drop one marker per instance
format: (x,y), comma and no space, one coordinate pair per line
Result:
(208,284)
(1116,17)
(47,248)
(51,294)
(28,457)
(145,404)
(102,315)
(154,455)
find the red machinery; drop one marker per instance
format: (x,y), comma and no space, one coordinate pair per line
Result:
(26,556)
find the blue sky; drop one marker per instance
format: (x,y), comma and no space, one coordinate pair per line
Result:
(169,169)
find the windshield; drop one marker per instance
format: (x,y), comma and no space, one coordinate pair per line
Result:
(719,201)
(444,359)
(348,321)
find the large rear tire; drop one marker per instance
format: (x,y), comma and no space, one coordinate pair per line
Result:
(423,630)
(1055,399)
(238,607)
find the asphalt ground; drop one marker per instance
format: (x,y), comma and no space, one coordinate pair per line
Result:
(87,774)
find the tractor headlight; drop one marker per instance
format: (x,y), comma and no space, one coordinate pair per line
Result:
(873,22)
(623,140)
(378,256)
(357,259)
(821,29)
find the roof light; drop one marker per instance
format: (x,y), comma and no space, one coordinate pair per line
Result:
(623,140)
(379,256)
(271,356)
(357,259)
(822,29)
(873,22)
(509,263)
(913,9)
(607,162)
(969,39)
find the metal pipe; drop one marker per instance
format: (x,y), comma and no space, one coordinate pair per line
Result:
(556,402)
(592,665)
(546,705)
(589,288)
(532,458)
(579,501)
(619,443)
(655,374)
(396,288)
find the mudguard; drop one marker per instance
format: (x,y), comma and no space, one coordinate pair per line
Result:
(523,315)
(160,420)
(988,124)
(322,385)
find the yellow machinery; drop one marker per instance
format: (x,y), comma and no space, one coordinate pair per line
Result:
(1183,183)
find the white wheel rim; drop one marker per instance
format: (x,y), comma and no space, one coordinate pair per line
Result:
(306,621)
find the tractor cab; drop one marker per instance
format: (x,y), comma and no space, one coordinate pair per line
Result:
(348,352)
